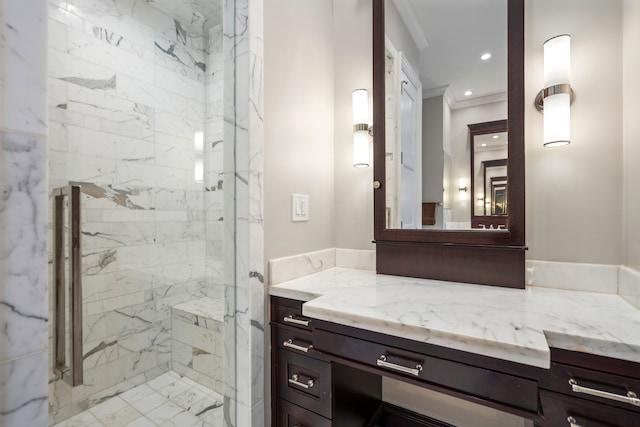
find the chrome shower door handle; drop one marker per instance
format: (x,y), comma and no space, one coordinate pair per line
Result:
(73,373)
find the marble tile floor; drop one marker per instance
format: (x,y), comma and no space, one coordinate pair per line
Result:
(169,400)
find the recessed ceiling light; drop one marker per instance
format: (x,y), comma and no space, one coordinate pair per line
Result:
(468,93)
(495,137)
(484,145)
(485,56)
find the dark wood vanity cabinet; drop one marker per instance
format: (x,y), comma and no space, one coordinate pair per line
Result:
(582,390)
(308,388)
(325,374)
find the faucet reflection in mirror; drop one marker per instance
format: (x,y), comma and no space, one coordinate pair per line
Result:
(360,128)
(555,99)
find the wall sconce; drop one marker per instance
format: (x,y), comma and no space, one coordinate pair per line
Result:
(462,189)
(198,148)
(361,128)
(462,185)
(556,97)
(480,200)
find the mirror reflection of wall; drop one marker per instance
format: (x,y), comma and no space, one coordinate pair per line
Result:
(461,85)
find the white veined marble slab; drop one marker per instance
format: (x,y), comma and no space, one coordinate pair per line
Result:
(510,324)
(206,307)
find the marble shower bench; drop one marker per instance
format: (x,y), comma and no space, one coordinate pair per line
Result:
(197,341)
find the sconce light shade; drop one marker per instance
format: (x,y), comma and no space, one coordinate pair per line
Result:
(360,99)
(198,148)
(361,149)
(360,106)
(557,60)
(462,189)
(556,97)
(557,120)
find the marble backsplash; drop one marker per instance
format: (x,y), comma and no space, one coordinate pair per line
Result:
(292,267)
(629,286)
(573,276)
(599,278)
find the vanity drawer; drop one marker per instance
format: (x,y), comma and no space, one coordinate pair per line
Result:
(560,410)
(290,415)
(296,340)
(581,383)
(490,385)
(289,312)
(304,381)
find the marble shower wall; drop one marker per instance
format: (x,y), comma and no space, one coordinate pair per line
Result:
(214,165)
(243,115)
(129,87)
(23,263)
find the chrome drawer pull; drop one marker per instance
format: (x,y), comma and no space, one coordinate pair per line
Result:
(572,422)
(382,361)
(291,319)
(289,343)
(294,380)
(631,398)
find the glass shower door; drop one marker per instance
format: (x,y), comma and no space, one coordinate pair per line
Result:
(135,122)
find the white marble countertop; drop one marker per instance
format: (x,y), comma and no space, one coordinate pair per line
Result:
(510,324)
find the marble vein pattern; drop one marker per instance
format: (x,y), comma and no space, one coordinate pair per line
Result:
(23,293)
(130,86)
(23,80)
(169,400)
(23,280)
(292,267)
(198,341)
(510,324)
(23,213)
(242,112)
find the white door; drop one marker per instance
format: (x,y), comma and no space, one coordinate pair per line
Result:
(410,130)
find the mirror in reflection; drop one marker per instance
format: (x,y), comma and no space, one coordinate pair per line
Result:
(489,157)
(445,70)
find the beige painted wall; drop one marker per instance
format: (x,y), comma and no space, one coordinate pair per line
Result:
(573,193)
(631,133)
(433,151)
(298,124)
(353,63)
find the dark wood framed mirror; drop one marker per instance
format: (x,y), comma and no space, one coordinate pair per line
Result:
(482,256)
(489,175)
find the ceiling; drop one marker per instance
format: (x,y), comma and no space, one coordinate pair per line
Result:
(451,36)
(492,141)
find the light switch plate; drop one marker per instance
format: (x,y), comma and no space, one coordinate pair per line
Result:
(299,207)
